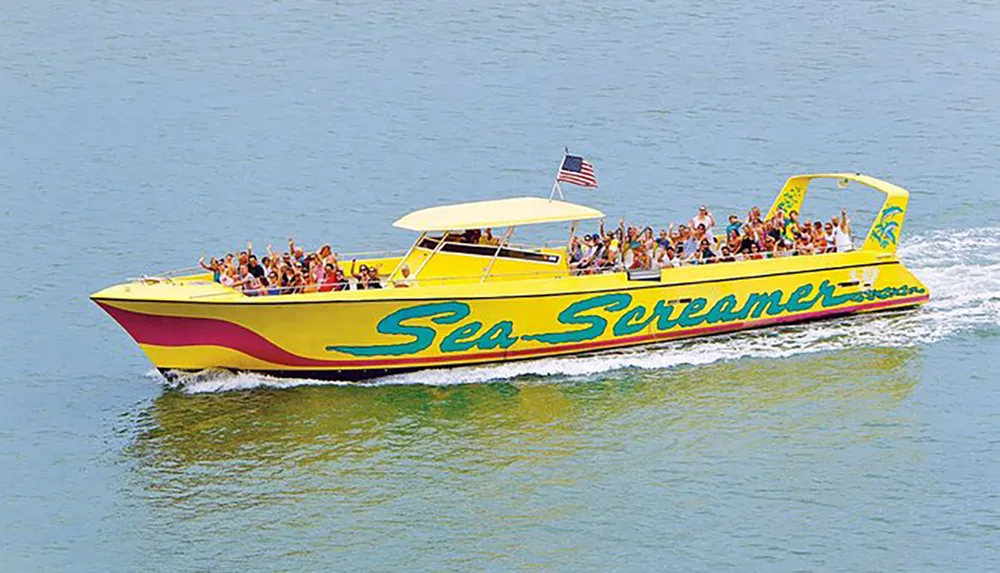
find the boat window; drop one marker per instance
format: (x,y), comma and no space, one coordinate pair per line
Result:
(488,251)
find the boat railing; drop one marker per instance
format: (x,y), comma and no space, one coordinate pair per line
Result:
(168,275)
(619,268)
(544,245)
(386,254)
(352,284)
(173,273)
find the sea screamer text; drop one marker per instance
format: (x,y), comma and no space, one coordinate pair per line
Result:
(590,318)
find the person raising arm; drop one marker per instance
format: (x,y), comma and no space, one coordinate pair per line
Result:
(842,233)
(362,276)
(845,222)
(296,252)
(214,268)
(704,217)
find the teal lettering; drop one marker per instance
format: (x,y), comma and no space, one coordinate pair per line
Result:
(723,310)
(662,313)
(587,321)
(498,335)
(795,302)
(453,342)
(757,303)
(625,326)
(696,305)
(595,325)
(826,292)
(830,298)
(423,336)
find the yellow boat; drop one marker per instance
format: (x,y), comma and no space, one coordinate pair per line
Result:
(472,304)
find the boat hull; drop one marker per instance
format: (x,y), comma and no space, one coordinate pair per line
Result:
(372,334)
(360,375)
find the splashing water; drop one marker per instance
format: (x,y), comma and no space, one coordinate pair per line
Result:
(961,268)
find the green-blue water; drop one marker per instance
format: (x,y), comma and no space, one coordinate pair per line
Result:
(136,137)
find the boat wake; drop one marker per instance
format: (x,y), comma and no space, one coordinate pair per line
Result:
(961,268)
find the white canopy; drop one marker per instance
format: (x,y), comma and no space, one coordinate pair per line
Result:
(498,213)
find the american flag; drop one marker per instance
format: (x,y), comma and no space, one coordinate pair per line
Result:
(577,171)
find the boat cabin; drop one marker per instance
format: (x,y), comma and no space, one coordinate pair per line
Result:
(444,254)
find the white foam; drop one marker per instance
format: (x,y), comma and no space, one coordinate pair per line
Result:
(210,381)
(965,295)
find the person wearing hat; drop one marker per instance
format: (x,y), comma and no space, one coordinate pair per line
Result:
(406,281)
(734,225)
(595,252)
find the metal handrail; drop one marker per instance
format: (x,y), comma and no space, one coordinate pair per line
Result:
(342,257)
(544,245)
(167,276)
(176,272)
(198,270)
(382,254)
(545,273)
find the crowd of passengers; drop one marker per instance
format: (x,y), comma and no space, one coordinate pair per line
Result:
(297,271)
(697,242)
(627,247)
(293,272)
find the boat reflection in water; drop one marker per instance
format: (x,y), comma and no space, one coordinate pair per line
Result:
(369,437)
(518,471)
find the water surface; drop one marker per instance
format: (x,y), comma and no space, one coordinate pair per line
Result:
(135,137)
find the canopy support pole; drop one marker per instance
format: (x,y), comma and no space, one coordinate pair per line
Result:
(506,237)
(437,249)
(569,243)
(402,261)
(556,189)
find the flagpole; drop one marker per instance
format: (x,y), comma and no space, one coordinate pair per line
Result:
(555,185)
